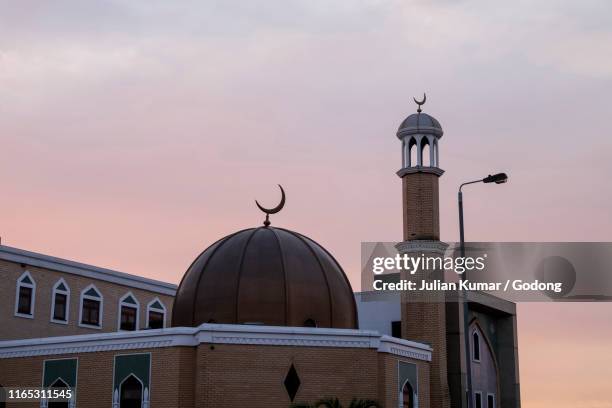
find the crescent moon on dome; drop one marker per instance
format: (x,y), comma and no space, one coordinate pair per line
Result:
(278,207)
(421,102)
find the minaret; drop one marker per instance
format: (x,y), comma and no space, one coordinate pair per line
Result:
(423,315)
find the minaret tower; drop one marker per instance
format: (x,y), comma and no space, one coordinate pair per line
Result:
(423,316)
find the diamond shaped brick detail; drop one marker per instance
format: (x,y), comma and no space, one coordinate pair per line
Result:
(292,382)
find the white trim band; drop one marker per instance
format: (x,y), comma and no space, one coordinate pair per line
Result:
(216,334)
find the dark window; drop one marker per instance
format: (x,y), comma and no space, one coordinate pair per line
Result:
(407,396)
(59,404)
(91,312)
(396,329)
(310,323)
(59,307)
(131,393)
(156,320)
(128,318)
(476,344)
(24,305)
(478,400)
(490,401)
(2,397)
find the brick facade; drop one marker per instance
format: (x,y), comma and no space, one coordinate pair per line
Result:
(14,327)
(230,376)
(421,206)
(424,319)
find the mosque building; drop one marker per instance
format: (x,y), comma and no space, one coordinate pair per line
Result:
(264,317)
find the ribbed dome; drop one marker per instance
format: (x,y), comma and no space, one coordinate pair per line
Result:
(420,123)
(269,276)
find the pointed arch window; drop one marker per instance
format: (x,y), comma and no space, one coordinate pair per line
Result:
(25,296)
(156,314)
(131,393)
(60,302)
(129,309)
(91,308)
(59,383)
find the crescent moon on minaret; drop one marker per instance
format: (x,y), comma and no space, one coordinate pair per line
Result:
(278,207)
(421,102)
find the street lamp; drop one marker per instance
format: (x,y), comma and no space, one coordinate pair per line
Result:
(498,178)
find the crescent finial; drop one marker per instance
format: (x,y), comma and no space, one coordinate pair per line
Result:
(421,102)
(274,210)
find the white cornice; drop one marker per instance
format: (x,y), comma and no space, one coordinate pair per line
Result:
(216,334)
(76,268)
(422,245)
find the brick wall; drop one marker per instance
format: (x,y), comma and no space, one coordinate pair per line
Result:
(421,206)
(171,376)
(424,314)
(233,376)
(240,375)
(388,381)
(20,328)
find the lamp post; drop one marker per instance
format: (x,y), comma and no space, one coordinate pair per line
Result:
(498,178)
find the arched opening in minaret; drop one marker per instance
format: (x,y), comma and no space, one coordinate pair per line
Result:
(425,153)
(412,152)
(435,154)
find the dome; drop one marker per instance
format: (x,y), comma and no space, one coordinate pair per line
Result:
(269,276)
(420,123)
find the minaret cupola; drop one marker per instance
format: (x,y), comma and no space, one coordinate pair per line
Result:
(419,134)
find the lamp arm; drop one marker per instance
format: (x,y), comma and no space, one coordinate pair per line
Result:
(469,182)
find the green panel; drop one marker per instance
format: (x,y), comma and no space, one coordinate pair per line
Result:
(137,364)
(61,287)
(26,279)
(66,369)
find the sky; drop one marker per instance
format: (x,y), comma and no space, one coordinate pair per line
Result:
(133,134)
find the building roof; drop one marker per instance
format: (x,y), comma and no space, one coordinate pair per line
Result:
(266,276)
(76,268)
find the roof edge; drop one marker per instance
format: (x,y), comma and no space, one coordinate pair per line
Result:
(206,333)
(17,255)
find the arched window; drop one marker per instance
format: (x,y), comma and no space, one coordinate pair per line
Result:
(475,346)
(25,296)
(310,323)
(129,309)
(156,314)
(60,302)
(91,308)
(407,396)
(435,153)
(425,153)
(59,383)
(412,153)
(130,393)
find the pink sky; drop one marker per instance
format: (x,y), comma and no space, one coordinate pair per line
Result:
(134,134)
